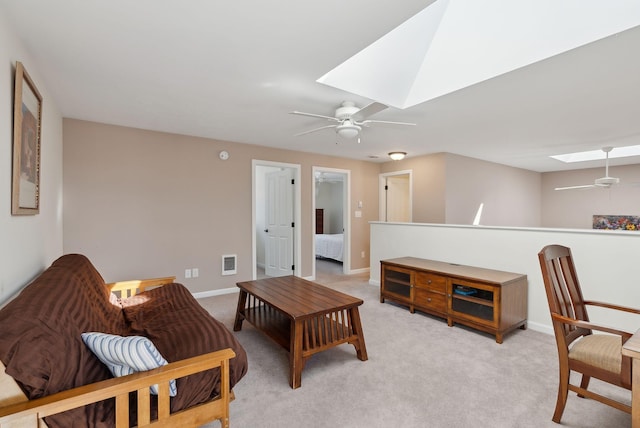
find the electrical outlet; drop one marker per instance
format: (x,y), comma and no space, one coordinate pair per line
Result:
(187,273)
(362,254)
(195,272)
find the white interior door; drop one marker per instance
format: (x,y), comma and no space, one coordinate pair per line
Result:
(395,197)
(279,223)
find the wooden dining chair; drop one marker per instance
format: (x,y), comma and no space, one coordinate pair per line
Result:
(579,350)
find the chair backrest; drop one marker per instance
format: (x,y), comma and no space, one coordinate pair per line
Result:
(563,292)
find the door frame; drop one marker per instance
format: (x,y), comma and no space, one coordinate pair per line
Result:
(382,196)
(346,220)
(297,216)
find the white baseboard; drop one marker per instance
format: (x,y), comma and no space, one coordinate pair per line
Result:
(374,282)
(211,293)
(542,328)
(355,271)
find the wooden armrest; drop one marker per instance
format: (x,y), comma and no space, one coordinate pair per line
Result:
(591,326)
(612,306)
(120,388)
(131,287)
(632,347)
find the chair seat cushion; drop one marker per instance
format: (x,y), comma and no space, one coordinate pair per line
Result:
(599,350)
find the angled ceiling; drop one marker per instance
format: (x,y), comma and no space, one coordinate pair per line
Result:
(233,70)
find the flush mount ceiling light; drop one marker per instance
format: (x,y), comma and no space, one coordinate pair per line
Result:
(397,155)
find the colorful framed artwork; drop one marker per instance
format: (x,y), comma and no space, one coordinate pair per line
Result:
(27,122)
(616,222)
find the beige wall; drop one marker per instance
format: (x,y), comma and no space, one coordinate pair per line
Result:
(575,208)
(141,203)
(27,243)
(428,175)
(448,188)
(511,196)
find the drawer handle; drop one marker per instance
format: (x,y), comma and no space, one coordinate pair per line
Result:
(429,299)
(428,281)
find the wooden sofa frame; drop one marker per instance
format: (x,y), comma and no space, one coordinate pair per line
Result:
(29,413)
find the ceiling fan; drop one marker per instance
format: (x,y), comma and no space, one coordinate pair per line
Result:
(350,119)
(605,181)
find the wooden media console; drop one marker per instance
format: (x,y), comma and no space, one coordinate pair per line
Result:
(485,299)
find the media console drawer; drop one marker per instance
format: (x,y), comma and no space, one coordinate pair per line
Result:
(485,299)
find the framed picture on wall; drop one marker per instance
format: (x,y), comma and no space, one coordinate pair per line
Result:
(27,121)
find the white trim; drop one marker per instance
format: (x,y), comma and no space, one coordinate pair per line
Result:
(621,233)
(361,270)
(542,328)
(211,293)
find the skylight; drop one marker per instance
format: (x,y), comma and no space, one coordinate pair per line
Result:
(453,44)
(616,152)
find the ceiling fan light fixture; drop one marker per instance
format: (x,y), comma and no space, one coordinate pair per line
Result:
(348,130)
(397,155)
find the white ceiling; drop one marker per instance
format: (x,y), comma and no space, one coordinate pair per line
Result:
(233,71)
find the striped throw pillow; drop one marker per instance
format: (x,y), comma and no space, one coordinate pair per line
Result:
(126,355)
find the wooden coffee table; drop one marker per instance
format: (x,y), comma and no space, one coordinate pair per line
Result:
(301,316)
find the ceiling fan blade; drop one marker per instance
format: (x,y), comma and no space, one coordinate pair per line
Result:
(586,186)
(314,130)
(320,116)
(368,110)
(383,122)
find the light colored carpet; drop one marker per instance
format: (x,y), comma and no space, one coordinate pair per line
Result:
(420,373)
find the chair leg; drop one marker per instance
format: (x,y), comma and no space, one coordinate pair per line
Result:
(584,384)
(563,392)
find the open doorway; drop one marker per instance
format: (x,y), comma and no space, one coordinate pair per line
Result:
(275,214)
(396,203)
(331,221)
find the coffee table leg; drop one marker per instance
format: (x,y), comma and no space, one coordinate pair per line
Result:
(361,349)
(242,301)
(295,354)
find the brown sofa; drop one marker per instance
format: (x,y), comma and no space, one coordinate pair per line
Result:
(42,349)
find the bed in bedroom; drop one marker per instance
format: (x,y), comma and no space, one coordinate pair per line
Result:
(330,246)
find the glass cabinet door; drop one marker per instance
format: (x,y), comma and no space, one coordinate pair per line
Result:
(397,282)
(474,301)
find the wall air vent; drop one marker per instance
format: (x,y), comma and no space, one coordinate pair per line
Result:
(229,264)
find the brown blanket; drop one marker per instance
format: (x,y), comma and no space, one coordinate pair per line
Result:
(42,350)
